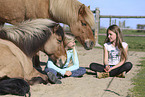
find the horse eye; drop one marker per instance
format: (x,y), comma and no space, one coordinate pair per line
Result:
(84,24)
(59,40)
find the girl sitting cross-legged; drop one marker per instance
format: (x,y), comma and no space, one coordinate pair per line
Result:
(115,56)
(70,68)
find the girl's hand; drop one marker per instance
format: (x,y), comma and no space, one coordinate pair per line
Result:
(107,68)
(68,73)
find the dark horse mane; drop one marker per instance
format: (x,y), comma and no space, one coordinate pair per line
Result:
(30,35)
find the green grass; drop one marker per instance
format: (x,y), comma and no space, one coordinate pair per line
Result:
(128,32)
(134,32)
(134,43)
(139,81)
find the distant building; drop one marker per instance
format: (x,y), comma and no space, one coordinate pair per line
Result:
(140,27)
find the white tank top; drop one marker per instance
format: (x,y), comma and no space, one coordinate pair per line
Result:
(114,53)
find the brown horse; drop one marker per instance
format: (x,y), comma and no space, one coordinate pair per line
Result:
(19,43)
(70,12)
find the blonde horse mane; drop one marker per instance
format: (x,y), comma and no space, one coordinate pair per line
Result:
(29,35)
(69,11)
(30,27)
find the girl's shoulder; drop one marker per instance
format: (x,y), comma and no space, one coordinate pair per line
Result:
(124,44)
(71,50)
(107,44)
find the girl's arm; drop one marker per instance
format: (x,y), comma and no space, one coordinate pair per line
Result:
(75,60)
(105,56)
(50,64)
(120,63)
(107,67)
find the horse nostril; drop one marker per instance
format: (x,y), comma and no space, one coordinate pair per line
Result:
(89,45)
(60,63)
(92,43)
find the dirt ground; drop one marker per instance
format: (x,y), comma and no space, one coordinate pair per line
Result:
(89,85)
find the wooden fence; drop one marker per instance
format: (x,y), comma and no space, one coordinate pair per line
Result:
(97,21)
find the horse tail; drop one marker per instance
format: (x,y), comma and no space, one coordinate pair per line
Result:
(14,86)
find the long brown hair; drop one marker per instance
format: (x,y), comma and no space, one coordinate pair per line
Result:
(119,39)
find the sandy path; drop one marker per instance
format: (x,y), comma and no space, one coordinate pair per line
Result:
(89,85)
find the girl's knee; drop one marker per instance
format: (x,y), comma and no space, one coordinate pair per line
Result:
(92,65)
(83,69)
(128,65)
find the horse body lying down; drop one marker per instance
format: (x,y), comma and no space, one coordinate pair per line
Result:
(19,43)
(14,63)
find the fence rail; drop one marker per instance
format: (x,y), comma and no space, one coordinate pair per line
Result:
(112,16)
(97,21)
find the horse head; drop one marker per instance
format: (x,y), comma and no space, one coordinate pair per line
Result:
(82,29)
(77,16)
(54,47)
(39,34)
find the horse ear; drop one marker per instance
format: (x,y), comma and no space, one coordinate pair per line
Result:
(89,6)
(56,27)
(82,9)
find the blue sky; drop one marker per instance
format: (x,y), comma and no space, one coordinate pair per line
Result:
(119,7)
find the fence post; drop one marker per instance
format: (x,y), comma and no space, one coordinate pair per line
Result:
(97,26)
(110,22)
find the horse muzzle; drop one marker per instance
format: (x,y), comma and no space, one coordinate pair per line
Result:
(61,61)
(89,44)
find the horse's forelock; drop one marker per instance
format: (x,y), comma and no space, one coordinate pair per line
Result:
(89,17)
(59,31)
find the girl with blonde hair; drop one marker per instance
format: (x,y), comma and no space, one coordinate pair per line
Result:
(70,68)
(115,55)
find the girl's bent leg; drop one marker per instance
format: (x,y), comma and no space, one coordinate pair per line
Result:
(51,70)
(79,72)
(97,67)
(52,76)
(126,67)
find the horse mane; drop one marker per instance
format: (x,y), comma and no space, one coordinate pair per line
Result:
(29,35)
(69,11)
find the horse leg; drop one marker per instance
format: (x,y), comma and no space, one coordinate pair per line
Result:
(2,24)
(37,80)
(36,77)
(35,60)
